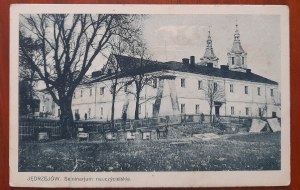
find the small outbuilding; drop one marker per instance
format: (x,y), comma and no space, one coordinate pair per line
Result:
(146,133)
(162,132)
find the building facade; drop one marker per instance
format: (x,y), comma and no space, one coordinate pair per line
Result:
(175,88)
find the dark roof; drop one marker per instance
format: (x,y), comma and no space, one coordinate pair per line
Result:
(217,72)
(131,66)
(128,63)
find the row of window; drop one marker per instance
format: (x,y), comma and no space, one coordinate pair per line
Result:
(89,112)
(247,110)
(200,87)
(231,87)
(182,110)
(102,89)
(197,108)
(232,111)
(91,92)
(258,90)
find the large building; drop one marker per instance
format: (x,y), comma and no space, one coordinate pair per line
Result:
(174,88)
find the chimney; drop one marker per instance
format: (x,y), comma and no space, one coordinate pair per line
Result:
(185,61)
(225,67)
(210,65)
(192,60)
(248,71)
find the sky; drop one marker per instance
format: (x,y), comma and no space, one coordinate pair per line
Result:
(173,37)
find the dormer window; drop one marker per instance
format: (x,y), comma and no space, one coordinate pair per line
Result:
(232,60)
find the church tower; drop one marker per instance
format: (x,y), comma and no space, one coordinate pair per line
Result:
(237,57)
(209,55)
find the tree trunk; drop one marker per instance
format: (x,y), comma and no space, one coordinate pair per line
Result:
(210,113)
(66,118)
(137,104)
(113,108)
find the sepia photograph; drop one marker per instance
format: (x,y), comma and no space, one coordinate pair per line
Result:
(104,97)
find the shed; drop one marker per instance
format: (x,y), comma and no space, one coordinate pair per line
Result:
(162,132)
(146,133)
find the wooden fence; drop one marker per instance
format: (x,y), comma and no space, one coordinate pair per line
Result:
(28,128)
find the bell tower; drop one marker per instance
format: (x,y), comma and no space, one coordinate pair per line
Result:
(209,55)
(237,57)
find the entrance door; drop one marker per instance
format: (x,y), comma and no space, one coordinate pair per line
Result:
(217,110)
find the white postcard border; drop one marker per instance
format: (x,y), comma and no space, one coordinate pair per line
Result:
(152,179)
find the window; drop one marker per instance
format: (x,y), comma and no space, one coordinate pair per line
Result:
(243,60)
(215,86)
(81,92)
(43,108)
(232,60)
(200,84)
(58,112)
(101,111)
(182,83)
(247,111)
(232,110)
(125,88)
(274,114)
(182,108)
(246,89)
(259,112)
(272,92)
(91,91)
(101,90)
(258,91)
(74,94)
(197,110)
(231,87)
(154,83)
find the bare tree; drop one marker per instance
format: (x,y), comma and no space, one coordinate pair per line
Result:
(214,92)
(141,73)
(27,78)
(68,45)
(119,46)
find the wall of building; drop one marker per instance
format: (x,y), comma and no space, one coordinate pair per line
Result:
(98,106)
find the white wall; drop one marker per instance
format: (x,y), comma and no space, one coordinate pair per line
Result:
(189,95)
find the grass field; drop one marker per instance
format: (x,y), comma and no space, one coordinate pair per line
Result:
(229,152)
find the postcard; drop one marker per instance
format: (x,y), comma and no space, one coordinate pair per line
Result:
(149,95)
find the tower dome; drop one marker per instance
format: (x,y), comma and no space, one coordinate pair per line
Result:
(209,55)
(237,57)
